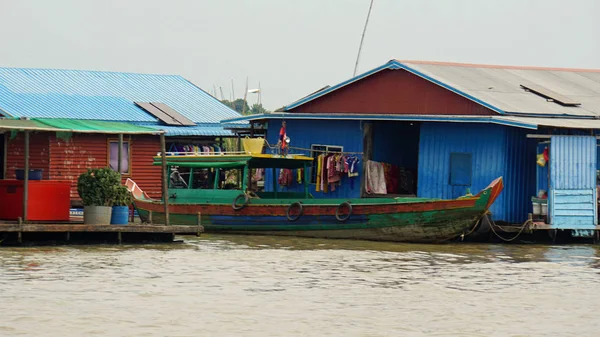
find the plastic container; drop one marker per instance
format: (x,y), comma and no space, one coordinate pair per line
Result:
(96,215)
(253,145)
(120,215)
(34,174)
(544,209)
(537,209)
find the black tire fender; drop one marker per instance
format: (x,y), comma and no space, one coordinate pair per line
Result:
(292,206)
(237,206)
(343,218)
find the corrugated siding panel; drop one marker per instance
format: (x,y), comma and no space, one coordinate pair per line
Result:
(71,158)
(38,154)
(146,175)
(519,176)
(68,159)
(491,159)
(574,159)
(393,92)
(573,178)
(304,133)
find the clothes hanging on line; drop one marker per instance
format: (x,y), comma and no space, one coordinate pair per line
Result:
(375,178)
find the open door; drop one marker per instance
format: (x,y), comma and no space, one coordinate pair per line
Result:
(573,182)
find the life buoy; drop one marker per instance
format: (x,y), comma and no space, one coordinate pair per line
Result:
(343,218)
(293,205)
(237,206)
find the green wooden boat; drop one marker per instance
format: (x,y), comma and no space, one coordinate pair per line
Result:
(298,214)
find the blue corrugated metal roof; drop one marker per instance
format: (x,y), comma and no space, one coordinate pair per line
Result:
(198,130)
(79,94)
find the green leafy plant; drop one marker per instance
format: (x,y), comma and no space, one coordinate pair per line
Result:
(98,187)
(123,197)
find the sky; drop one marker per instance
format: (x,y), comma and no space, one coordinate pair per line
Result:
(292,47)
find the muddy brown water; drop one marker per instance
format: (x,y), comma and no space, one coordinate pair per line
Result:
(272,286)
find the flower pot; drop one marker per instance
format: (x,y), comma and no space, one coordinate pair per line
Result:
(120,215)
(96,215)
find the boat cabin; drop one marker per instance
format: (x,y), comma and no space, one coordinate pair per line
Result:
(203,178)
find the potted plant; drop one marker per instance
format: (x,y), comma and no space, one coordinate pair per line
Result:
(120,208)
(97,189)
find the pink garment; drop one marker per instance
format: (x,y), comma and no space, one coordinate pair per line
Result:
(375,178)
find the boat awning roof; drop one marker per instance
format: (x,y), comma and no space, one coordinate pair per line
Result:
(515,121)
(236,160)
(74,125)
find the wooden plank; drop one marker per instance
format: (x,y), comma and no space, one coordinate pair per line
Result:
(66,228)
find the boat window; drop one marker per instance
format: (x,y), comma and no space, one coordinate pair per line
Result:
(461,165)
(316,150)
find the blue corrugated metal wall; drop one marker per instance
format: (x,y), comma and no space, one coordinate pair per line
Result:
(304,133)
(573,182)
(496,151)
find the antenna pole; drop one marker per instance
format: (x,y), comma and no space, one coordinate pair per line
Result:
(362,38)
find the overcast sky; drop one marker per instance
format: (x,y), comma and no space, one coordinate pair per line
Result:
(292,47)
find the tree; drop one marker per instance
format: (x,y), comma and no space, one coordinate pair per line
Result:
(257,108)
(238,105)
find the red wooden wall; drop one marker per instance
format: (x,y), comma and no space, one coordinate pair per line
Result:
(66,160)
(394,92)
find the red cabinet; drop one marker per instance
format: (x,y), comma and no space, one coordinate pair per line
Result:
(49,200)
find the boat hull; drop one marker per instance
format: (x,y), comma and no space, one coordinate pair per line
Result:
(399,220)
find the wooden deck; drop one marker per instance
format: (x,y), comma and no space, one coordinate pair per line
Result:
(65,233)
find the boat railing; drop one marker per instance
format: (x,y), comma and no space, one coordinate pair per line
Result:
(199,153)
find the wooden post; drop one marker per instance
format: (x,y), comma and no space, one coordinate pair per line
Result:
(120,153)
(274,174)
(26,177)
(305,172)
(165,186)
(199,223)
(367,154)
(150,217)
(119,237)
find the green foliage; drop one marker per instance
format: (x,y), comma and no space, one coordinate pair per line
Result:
(257,109)
(123,197)
(98,187)
(237,105)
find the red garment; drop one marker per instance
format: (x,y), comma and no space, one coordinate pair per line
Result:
(282,135)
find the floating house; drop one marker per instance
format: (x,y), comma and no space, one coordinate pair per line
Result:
(445,129)
(104,103)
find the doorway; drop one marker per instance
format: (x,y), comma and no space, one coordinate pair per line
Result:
(396,146)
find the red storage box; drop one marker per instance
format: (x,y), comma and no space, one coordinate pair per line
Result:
(48,200)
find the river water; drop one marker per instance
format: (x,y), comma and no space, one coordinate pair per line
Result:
(270,286)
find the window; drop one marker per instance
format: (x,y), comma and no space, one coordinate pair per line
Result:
(316,150)
(461,165)
(113,160)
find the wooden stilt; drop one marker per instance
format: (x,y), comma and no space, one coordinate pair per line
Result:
(26,177)
(119,237)
(165,186)
(120,154)
(199,224)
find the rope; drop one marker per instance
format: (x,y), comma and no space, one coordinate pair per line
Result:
(492,224)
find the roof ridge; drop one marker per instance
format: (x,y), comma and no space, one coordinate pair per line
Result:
(475,65)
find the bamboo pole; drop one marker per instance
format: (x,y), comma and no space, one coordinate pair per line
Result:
(165,186)
(26,177)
